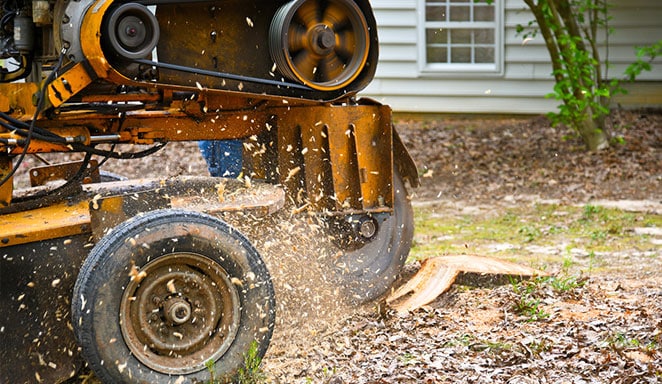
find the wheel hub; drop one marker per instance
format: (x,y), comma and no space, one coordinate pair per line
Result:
(177,311)
(184,312)
(367,228)
(134,31)
(323,40)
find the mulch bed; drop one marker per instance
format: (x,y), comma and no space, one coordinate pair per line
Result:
(491,159)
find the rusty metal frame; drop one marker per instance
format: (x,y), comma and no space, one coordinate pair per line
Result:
(339,157)
(99,207)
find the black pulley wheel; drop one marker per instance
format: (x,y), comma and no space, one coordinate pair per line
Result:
(321,43)
(130,31)
(165,293)
(368,270)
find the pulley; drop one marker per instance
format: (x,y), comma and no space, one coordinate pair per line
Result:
(321,43)
(24,34)
(130,31)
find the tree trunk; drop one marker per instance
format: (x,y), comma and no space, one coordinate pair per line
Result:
(595,137)
(576,64)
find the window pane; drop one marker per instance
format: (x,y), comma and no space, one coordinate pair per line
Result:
(484,14)
(435,13)
(485,55)
(437,55)
(460,55)
(452,35)
(460,36)
(483,36)
(436,36)
(459,13)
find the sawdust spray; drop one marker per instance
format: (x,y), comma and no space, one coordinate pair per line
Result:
(310,304)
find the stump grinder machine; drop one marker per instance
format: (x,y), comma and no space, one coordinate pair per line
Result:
(133,278)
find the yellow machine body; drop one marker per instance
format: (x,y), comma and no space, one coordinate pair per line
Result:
(281,75)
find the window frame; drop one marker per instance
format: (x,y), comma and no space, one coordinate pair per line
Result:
(452,69)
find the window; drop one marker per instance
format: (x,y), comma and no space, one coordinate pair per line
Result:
(461,35)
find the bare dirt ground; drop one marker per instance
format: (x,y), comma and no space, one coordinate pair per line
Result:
(602,328)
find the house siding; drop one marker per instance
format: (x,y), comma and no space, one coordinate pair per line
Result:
(524,80)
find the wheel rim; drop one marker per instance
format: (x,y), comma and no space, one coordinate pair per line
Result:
(321,43)
(181,311)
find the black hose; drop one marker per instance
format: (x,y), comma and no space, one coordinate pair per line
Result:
(40,106)
(18,125)
(118,155)
(38,136)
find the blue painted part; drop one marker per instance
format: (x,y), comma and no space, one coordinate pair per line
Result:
(223,157)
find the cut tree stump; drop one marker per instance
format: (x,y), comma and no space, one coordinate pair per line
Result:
(437,274)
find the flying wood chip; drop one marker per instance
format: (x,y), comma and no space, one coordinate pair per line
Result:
(437,274)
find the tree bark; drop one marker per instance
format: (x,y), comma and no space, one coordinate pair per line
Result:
(576,67)
(593,136)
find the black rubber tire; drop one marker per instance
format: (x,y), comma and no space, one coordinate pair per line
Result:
(367,273)
(155,237)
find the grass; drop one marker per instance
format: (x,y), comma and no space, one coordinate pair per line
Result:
(528,293)
(250,373)
(327,376)
(620,341)
(564,284)
(530,308)
(526,302)
(542,234)
(478,344)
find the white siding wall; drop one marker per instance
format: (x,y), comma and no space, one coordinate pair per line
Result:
(526,76)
